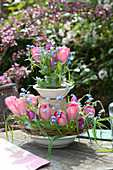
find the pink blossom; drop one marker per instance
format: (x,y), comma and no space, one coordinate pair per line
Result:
(89,109)
(45,112)
(74,99)
(102,74)
(35,54)
(17,106)
(72,110)
(62,54)
(33,99)
(61,117)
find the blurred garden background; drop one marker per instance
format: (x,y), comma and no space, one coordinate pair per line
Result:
(85,27)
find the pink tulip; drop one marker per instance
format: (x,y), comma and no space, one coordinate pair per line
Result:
(45,112)
(36,56)
(62,54)
(33,99)
(74,99)
(61,117)
(72,110)
(17,106)
(89,109)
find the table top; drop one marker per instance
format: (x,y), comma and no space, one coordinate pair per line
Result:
(78,155)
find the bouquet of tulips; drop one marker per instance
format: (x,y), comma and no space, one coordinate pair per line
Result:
(53,63)
(40,120)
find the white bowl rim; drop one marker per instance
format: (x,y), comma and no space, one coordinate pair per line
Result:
(58,89)
(64,137)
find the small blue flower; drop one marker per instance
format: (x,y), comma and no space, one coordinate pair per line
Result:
(57,105)
(29,100)
(47,98)
(102,111)
(27,54)
(22,94)
(39,58)
(51,123)
(57,49)
(87,101)
(42,49)
(68,57)
(45,67)
(38,38)
(32,46)
(49,41)
(72,95)
(23,90)
(59,113)
(88,109)
(26,123)
(46,53)
(99,114)
(45,110)
(95,104)
(28,46)
(28,127)
(55,63)
(41,133)
(68,63)
(54,108)
(53,119)
(52,53)
(67,87)
(89,96)
(73,52)
(59,97)
(38,52)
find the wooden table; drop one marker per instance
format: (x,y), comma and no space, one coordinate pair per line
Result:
(77,156)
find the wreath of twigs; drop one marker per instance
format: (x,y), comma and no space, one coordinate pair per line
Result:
(36,131)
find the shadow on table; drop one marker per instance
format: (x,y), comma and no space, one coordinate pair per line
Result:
(74,154)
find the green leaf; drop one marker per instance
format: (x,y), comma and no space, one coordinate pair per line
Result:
(12,8)
(20,6)
(102,56)
(110,51)
(30,2)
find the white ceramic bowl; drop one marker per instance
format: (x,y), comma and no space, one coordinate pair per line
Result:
(58,143)
(52,93)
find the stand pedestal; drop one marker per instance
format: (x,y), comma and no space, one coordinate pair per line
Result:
(53,103)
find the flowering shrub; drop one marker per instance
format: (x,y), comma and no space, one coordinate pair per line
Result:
(14,74)
(38,119)
(53,61)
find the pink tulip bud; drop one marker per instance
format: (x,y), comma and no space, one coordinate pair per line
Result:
(62,54)
(45,112)
(17,106)
(89,109)
(61,117)
(33,99)
(36,53)
(72,110)
(74,99)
